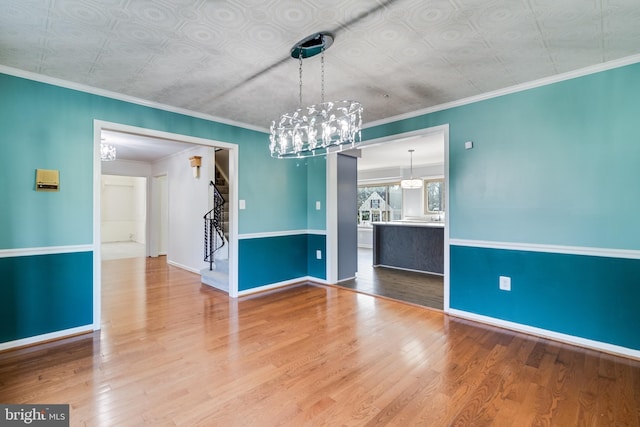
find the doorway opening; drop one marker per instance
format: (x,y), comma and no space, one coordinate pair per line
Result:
(123,215)
(382,164)
(153,196)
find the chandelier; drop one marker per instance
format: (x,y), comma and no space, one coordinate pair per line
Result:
(107,151)
(411,183)
(320,128)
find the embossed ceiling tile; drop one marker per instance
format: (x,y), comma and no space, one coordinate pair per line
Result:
(137,35)
(247,56)
(84,13)
(56,66)
(296,19)
(398,13)
(498,23)
(157,15)
(360,14)
(561,16)
(269,39)
(428,14)
(452,37)
(24,59)
(352,46)
(28,13)
(622,26)
(205,36)
(181,51)
(389,36)
(224,14)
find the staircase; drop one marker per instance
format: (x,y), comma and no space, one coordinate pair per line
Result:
(216,240)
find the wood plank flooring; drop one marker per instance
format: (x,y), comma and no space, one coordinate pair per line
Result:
(417,288)
(174,352)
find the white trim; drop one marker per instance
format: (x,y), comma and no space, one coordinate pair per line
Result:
(544,333)
(610,65)
(406,135)
(49,250)
(46,337)
(277,285)
(97,226)
(122,97)
(280,234)
(447,232)
(531,247)
(98,127)
(183,267)
(331,202)
(444,129)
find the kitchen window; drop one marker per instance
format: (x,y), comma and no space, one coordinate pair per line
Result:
(434,202)
(381,202)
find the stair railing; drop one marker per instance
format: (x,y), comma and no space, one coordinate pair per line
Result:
(213,227)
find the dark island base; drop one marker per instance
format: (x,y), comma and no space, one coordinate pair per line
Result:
(419,248)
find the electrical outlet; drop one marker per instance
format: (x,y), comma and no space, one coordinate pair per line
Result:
(318,254)
(505,283)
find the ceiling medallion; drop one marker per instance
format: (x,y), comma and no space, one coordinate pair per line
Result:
(320,128)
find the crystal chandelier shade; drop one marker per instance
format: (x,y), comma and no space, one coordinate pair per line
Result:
(107,152)
(320,128)
(317,129)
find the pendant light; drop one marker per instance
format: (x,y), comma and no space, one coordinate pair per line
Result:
(411,183)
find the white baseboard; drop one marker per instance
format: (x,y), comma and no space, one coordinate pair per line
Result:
(282,284)
(184,267)
(544,333)
(46,337)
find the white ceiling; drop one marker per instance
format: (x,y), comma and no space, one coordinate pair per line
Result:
(230,58)
(142,148)
(429,149)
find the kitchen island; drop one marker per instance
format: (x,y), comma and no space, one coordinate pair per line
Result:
(410,245)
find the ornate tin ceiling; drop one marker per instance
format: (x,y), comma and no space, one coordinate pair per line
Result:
(230,58)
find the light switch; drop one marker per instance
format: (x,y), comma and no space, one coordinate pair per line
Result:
(318,205)
(242,204)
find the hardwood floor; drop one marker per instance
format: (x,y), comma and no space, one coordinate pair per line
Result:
(174,352)
(417,288)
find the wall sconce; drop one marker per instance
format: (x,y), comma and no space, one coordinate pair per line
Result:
(196,162)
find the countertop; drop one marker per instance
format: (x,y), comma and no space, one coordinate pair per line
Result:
(439,224)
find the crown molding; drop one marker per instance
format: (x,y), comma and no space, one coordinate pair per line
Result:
(609,65)
(29,75)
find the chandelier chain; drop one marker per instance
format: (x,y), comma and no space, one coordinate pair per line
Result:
(322,74)
(300,74)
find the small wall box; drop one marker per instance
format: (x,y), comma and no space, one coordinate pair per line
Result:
(47,180)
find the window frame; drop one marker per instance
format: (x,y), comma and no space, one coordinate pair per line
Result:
(443,204)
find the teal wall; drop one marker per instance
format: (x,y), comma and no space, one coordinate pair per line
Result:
(49,127)
(282,258)
(316,191)
(586,296)
(553,165)
(316,267)
(45,293)
(275,191)
(550,165)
